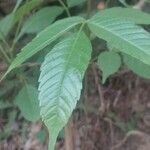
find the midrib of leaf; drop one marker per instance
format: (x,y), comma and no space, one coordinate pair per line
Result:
(57,35)
(119,36)
(66,68)
(41,46)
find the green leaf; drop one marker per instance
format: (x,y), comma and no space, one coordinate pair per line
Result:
(61,81)
(25,9)
(44,38)
(8,22)
(5,25)
(109,63)
(124,35)
(137,66)
(27,101)
(72,3)
(131,14)
(40,20)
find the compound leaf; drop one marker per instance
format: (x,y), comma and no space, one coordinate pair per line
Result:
(61,81)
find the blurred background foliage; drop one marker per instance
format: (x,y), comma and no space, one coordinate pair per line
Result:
(125,96)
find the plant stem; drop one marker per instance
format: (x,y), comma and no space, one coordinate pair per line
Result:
(4,40)
(125,4)
(5,55)
(88,8)
(100,92)
(69,136)
(65,7)
(107,3)
(15,41)
(140,4)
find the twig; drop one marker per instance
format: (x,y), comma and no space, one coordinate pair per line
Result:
(139,5)
(15,38)
(4,67)
(4,40)
(5,55)
(133,132)
(31,64)
(65,7)
(102,106)
(85,93)
(111,129)
(69,136)
(88,8)
(116,98)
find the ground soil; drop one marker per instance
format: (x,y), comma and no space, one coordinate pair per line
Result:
(122,124)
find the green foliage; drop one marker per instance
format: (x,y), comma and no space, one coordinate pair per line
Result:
(40,20)
(25,9)
(124,3)
(10,20)
(65,64)
(4,105)
(5,25)
(125,14)
(17,5)
(109,63)
(27,101)
(44,38)
(124,35)
(72,3)
(61,81)
(137,66)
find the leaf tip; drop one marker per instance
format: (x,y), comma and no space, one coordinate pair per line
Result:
(105,76)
